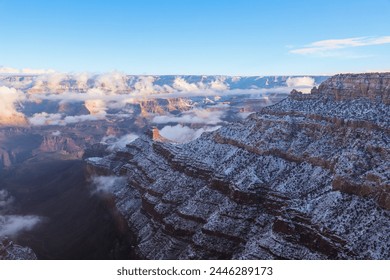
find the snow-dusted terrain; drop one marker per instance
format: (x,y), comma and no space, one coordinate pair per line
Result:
(306,178)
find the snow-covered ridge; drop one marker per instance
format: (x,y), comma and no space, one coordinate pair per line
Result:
(306,178)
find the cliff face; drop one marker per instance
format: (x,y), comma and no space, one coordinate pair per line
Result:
(19,144)
(306,178)
(65,145)
(16,145)
(375,87)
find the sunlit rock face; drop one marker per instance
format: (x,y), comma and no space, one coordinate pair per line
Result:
(306,178)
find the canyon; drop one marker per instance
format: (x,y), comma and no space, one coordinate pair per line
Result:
(254,172)
(305,178)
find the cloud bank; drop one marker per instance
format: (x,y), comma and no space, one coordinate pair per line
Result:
(5,200)
(107,184)
(44,118)
(9,99)
(12,225)
(184,134)
(112,92)
(115,143)
(195,116)
(304,84)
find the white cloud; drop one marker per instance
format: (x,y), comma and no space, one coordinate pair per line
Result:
(114,81)
(300,82)
(115,143)
(11,70)
(113,91)
(5,200)
(83,118)
(107,184)
(183,134)
(95,106)
(44,118)
(82,80)
(304,84)
(11,225)
(145,85)
(9,97)
(182,85)
(325,46)
(219,84)
(195,116)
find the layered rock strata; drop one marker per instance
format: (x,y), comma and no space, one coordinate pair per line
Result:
(306,178)
(11,251)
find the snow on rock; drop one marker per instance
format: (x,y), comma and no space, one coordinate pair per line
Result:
(306,178)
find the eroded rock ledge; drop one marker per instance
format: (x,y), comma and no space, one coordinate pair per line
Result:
(307,178)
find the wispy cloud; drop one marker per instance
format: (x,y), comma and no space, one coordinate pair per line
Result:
(195,116)
(325,47)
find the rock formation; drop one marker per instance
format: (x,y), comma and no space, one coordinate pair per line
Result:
(306,178)
(11,251)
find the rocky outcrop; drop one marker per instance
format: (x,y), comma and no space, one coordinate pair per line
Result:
(61,144)
(11,251)
(375,87)
(19,144)
(306,178)
(16,145)
(162,106)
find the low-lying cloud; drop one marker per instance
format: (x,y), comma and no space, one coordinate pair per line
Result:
(107,184)
(184,134)
(304,84)
(115,143)
(12,225)
(195,116)
(9,99)
(5,200)
(102,93)
(44,118)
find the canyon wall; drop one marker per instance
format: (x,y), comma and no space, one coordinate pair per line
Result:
(306,178)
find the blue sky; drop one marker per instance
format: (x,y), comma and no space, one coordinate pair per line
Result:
(239,37)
